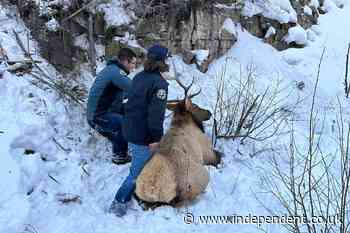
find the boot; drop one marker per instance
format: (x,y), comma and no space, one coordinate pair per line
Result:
(118,208)
(121,159)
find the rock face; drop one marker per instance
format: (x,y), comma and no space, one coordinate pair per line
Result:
(191,25)
(57,46)
(183,26)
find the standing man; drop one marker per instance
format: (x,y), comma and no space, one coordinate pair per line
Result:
(144,116)
(105,107)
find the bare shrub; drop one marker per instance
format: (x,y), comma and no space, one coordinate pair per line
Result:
(240,112)
(307,183)
(346,78)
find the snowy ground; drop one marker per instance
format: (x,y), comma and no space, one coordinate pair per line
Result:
(70,161)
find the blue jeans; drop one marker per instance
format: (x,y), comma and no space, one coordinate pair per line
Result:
(140,156)
(109,125)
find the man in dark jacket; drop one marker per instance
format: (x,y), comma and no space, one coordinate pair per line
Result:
(105,108)
(144,116)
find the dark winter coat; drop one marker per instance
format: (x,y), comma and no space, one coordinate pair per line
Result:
(108,91)
(145,109)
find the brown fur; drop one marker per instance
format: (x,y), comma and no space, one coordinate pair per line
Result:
(176,171)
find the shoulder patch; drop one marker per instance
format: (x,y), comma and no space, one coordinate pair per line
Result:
(161,94)
(122,72)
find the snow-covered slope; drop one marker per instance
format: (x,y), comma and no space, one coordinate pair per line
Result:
(69,161)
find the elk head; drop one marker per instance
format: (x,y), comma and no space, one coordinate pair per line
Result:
(185,110)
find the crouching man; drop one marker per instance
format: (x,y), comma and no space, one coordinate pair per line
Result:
(105,108)
(144,116)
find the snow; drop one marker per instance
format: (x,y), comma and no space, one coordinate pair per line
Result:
(230,26)
(71,160)
(314,3)
(270,32)
(44,8)
(52,25)
(307,10)
(110,9)
(201,55)
(280,10)
(82,41)
(129,39)
(311,35)
(329,5)
(65,3)
(15,204)
(296,34)
(227,6)
(339,3)
(330,35)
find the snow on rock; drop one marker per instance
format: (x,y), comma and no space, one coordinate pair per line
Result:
(331,35)
(227,6)
(46,7)
(64,3)
(52,25)
(231,27)
(129,40)
(114,13)
(314,3)
(260,55)
(307,10)
(329,5)
(339,3)
(270,32)
(201,55)
(280,10)
(82,41)
(296,34)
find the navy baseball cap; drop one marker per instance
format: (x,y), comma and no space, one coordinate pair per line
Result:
(158,53)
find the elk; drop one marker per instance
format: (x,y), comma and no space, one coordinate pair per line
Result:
(176,172)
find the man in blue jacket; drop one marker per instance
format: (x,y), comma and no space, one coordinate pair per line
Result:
(144,116)
(105,108)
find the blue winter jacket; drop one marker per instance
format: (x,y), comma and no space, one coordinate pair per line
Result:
(145,109)
(108,91)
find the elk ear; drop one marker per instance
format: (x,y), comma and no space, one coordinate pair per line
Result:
(201,114)
(172,104)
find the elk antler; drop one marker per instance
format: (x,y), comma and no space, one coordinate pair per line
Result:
(195,94)
(186,88)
